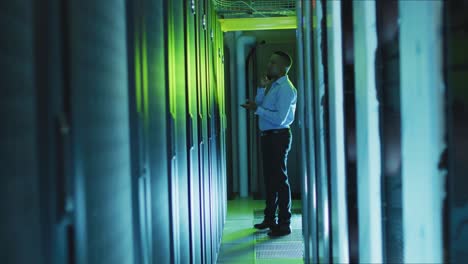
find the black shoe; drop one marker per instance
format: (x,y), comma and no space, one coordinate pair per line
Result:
(264,225)
(279,231)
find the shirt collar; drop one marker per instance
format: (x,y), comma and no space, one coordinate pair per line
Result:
(281,80)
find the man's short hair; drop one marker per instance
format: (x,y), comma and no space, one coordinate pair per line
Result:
(285,57)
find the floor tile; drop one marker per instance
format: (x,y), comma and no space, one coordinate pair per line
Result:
(241,243)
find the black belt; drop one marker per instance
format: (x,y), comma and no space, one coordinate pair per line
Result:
(274,131)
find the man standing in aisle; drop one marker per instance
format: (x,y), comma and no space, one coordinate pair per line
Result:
(275,105)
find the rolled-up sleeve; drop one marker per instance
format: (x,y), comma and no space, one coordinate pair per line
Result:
(285,96)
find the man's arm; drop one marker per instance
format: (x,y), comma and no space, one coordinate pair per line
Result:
(260,95)
(264,82)
(285,97)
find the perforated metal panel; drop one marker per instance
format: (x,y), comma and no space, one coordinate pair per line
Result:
(296,235)
(282,250)
(286,247)
(244,244)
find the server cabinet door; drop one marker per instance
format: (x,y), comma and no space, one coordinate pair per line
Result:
(177,105)
(20,224)
(321,129)
(100,131)
(203,130)
(350,128)
(338,220)
(212,188)
(192,132)
(455,158)
(388,90)
(311,240)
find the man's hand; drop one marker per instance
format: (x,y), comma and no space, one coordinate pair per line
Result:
(250,105)
(264,82)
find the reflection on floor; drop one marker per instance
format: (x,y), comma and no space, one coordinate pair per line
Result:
(244,244)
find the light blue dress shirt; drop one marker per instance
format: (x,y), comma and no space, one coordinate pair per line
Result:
(276,109)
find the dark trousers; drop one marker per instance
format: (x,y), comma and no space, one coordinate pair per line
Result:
(275,148)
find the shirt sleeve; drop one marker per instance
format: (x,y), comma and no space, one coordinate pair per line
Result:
(260,95)
(285,98)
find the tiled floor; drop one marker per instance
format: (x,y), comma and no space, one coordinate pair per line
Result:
(244,244)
